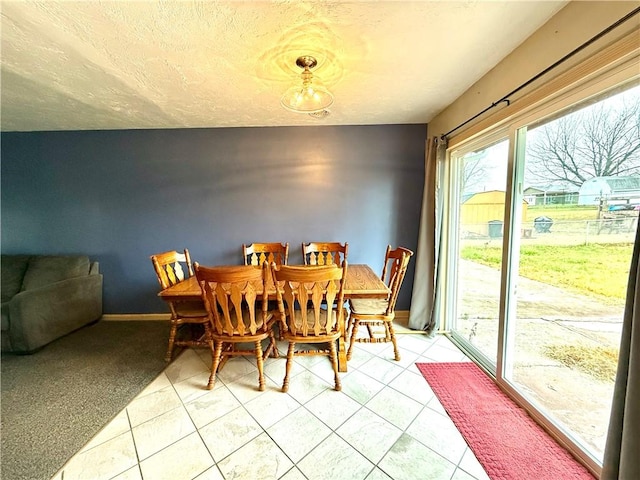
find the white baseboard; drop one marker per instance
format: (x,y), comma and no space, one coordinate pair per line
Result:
(402,317)
(401,323)
(127,317)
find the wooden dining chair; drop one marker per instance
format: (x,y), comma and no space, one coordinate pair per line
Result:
(378,314)
(172,267)
(259,253)
(302,292)
(324,253)
(237,311)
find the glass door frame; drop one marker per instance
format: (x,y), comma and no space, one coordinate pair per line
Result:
(515,133)
(453,245)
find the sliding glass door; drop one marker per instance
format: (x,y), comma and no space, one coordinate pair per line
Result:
(581,173)
(480,205)
(542,224)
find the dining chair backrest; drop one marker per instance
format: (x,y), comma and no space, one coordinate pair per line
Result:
(233,298)
(236,303)
(394,270)
(173,267)
(170,267)
(259,253)
(303,293)
(324,253)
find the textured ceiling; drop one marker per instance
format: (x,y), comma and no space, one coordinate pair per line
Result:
(182,64)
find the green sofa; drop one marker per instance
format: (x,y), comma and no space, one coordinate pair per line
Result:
(45,297)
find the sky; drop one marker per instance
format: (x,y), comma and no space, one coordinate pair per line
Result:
(493,174)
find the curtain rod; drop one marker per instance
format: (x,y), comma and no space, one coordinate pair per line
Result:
(506,100)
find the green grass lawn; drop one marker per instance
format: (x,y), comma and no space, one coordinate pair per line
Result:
(595,269)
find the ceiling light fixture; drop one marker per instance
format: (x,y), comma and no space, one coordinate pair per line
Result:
(310,96)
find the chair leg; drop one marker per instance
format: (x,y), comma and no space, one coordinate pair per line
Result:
(207,332)
(370,331)
(354,332)
(285,383)
(390,332)
(387,331)
(273,347)
(349,326)
(217,353)
(282,327)
(260,361)
(211,345)
(172,339)
(334,363)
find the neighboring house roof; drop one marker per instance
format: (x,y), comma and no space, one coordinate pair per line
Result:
(619,184)
(489,193)
(466,197)
(560,186)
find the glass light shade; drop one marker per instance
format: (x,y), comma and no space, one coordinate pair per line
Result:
(307,97)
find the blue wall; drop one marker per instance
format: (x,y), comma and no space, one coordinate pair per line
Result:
(120,196)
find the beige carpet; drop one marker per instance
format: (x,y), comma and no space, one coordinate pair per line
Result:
(54,401)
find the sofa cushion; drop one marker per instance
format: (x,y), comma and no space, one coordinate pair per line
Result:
(13,270)
(47,269)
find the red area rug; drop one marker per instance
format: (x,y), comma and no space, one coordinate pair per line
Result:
(509,444)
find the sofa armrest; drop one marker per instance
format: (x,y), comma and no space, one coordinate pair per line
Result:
(41,315)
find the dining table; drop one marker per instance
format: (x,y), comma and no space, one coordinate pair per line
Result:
(360,282)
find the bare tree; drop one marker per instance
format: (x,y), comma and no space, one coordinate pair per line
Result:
(474,171)
(600,140)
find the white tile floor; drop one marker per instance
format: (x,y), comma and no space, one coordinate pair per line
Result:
(385,423)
